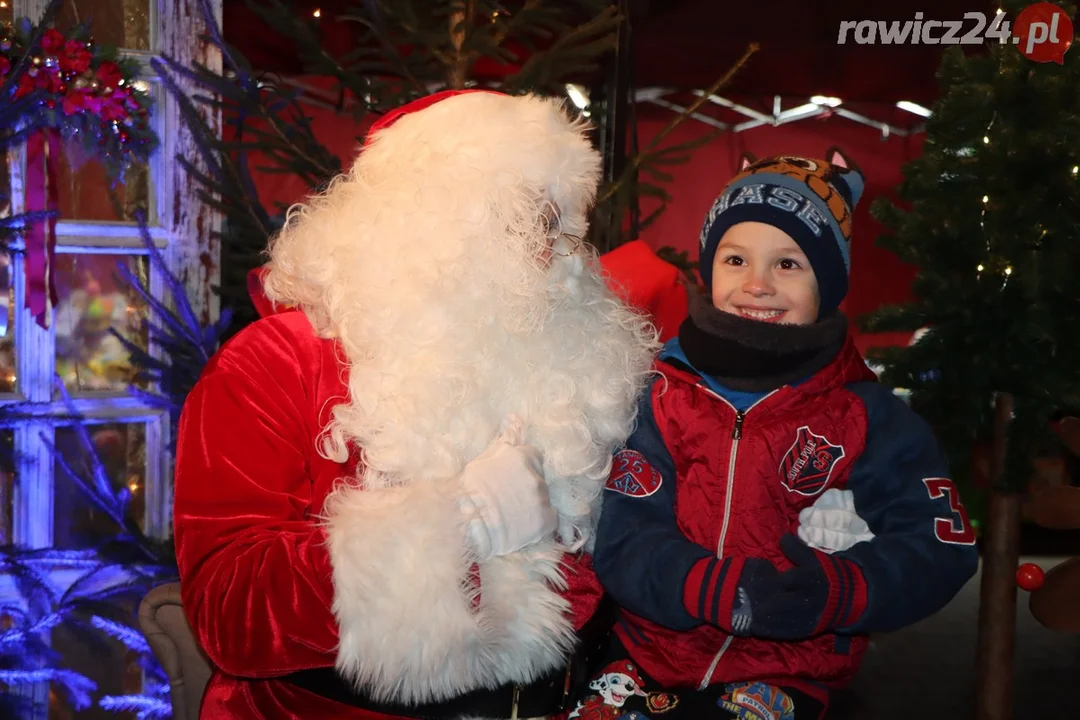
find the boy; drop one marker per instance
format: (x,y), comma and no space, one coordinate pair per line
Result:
(762,406)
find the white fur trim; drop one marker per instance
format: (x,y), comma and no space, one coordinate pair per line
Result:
(408,631)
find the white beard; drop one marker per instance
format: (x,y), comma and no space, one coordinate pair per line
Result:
(423,262)
(430,388)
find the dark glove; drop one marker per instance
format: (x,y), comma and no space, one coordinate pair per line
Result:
(820,594)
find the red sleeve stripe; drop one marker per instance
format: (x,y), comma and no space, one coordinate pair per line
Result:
(710,589)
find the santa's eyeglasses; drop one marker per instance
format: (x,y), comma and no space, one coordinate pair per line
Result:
(562,244)
(565,244)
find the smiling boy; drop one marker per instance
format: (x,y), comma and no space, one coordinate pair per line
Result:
(764,410)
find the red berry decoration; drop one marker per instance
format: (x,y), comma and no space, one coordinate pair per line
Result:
(1030,576)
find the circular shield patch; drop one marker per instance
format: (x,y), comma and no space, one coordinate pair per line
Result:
(631,474)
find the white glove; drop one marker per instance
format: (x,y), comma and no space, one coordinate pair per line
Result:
(506,500)
(831,524)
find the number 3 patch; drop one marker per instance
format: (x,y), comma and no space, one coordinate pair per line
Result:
(631,474)
(957,530)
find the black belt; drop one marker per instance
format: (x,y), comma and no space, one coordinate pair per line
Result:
(549,695)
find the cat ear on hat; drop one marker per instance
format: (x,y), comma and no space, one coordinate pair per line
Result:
(850,175)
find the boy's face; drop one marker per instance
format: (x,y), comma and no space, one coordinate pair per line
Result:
(759,272)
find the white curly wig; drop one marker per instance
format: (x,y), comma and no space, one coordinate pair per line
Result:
(428,261)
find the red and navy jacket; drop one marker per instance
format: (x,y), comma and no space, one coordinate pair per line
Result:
(711,476)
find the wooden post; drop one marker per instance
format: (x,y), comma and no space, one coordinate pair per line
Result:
(997,593)
(194,250)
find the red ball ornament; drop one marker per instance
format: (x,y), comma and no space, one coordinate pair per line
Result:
(1030,576)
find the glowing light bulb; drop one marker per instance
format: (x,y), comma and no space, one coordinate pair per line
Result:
(980,268)
(1076,169)
(986,198)
(317,13)
(986,140)
(1008,270)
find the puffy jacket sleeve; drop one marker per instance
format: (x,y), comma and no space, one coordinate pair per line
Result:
(641,557)
(924,547)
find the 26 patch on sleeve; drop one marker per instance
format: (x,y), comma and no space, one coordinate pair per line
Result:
(631,474)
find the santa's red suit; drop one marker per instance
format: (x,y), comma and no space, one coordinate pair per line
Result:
(291,564)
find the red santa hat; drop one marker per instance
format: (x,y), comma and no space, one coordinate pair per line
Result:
(416,106)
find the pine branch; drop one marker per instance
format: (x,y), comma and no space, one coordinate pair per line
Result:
(173,328)
(144,706)
(76,687)
(132,639)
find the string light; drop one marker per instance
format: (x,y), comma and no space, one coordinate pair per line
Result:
(986,198)
(1076,169)
(317,13)
(986,139)
(980,268)
(1008,270)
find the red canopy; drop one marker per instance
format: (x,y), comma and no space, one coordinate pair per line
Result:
(691,43)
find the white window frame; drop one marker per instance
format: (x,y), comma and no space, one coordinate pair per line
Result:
(183,229)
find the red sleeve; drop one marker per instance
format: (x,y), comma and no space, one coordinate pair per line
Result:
(255,573)
(583,589)
(649,284)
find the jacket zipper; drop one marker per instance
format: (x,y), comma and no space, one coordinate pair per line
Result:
(736,436)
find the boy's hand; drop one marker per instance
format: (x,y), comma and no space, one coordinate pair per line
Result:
(821,593)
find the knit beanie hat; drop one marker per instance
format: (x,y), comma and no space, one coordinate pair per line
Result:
(809,199)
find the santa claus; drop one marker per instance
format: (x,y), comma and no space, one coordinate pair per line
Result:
(383,495)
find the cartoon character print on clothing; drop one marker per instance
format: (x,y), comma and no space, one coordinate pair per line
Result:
(618,682)
(660,703)
(631,474)
(807,466)
(757,701)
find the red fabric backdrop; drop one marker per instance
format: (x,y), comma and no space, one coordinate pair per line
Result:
(877,276)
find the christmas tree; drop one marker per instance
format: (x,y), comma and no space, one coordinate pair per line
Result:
(992,222)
